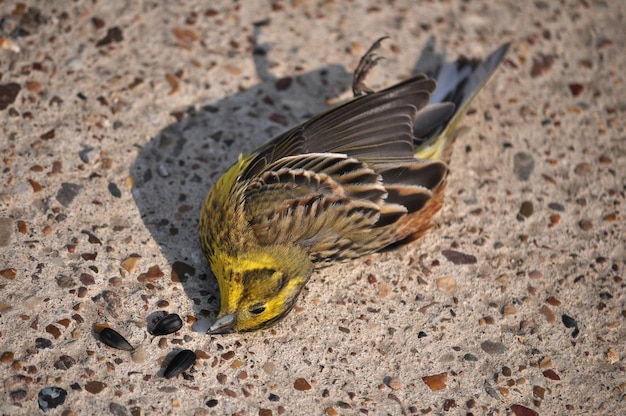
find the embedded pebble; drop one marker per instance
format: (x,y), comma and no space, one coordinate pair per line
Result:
(51,398)
(67,193)
(523,165)
(492,347)
(6,229)
(436,381)
(301,384)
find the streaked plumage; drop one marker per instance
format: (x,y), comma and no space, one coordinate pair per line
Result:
(360,177)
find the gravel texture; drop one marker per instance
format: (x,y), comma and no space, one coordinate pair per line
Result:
(116,118)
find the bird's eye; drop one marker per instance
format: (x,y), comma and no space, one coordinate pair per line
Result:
(257,310)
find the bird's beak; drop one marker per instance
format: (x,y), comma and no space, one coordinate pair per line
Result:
(223,325)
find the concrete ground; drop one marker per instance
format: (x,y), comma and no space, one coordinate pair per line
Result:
(116,117)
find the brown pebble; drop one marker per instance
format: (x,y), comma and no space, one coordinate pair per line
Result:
(446,284)
(520,410)
(383,290)
(576,89)
(129,263)
(7,357)
(154,273)
(436,381)
(545,362)
(582,168)
(509,310)
(301,384)
(553,301)
(539,392)
(35,185)
(525,210)
(53,330)
(547,313)
(94,387)
(555,219)
(585,225)
(551,374)
(394,384)
(8,273)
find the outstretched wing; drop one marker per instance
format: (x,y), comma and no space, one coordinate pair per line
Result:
(377,127)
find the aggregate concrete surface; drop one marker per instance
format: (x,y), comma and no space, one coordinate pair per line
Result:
(116,118)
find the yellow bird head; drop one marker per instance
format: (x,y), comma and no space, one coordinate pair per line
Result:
(260,287)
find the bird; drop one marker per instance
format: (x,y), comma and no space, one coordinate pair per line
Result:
(366,175)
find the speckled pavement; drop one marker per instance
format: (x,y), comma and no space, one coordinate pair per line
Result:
(116,118)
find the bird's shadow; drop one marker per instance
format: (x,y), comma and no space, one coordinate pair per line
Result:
(177,168)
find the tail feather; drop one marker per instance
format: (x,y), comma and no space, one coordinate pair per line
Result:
(458,83)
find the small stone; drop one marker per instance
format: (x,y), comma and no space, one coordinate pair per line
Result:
(612,356)
(523,165)
(51,397)
(67,193)
(582,169)
(541,64)
(525,210)
(576,89)
(301,384)
(520,410)
(8,273)
(283,83)
(94,387)
(8,94)
(457,257)
(154,273)
(436,381)
(6,229)
(43,343)
(547,313)
(89,155)
(551,374)
(394,384)
(65,362)
(182,271)
(54,331)
(446,284)
(491,347)
(129,263)
(114,190)
(545,362)
(114,34)
(7,357)
(117,409)
(570,322)
(585,225)
(539,392)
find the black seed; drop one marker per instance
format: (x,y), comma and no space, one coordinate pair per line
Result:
(181,362)
(211,403)
(167,325)
(113,339)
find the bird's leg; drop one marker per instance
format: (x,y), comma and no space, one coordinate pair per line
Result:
(367,62)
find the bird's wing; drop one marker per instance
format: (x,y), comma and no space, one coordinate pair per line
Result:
(377,128)
(334,183)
